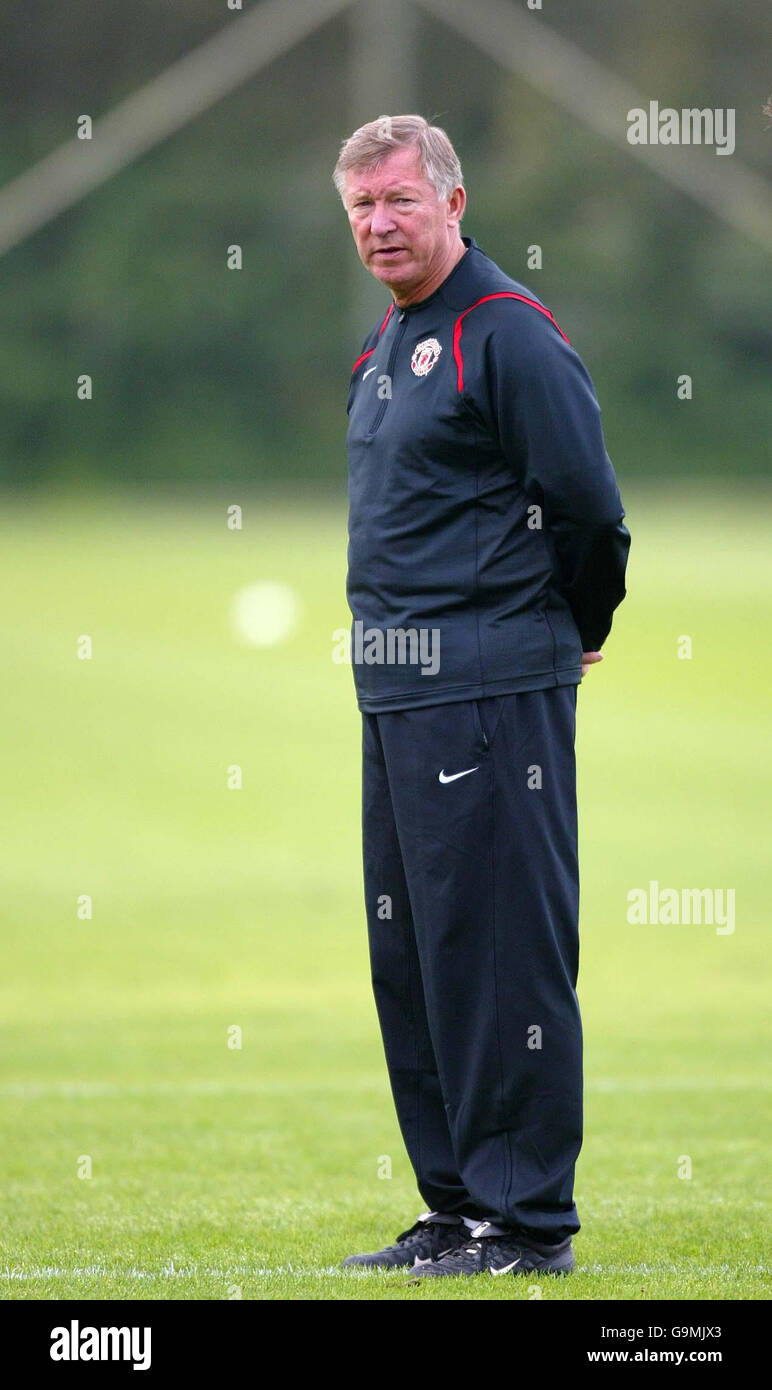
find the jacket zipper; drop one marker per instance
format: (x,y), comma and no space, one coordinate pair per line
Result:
(379,414)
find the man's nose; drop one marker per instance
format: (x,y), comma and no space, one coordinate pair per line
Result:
(382,220)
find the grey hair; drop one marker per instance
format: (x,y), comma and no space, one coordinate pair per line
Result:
(371,143)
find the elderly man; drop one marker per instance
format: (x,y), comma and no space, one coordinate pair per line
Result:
(487,554)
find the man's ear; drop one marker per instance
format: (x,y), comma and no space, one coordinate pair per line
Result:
(459,196)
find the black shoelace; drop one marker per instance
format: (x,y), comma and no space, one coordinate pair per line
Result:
(425,1235)
(484,1250)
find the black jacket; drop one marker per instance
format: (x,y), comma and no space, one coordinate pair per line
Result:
(486,542)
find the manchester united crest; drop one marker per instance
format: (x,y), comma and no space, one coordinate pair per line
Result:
(425,356)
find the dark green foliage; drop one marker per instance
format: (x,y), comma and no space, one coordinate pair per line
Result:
(203,373)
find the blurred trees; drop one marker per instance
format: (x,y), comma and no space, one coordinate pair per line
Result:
(204,374)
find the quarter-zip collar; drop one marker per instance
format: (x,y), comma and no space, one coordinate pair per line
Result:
(400,311)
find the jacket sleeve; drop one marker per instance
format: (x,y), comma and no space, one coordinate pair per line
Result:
(533,391)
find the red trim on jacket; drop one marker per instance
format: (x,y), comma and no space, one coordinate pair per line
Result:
(503,294)
(372,349)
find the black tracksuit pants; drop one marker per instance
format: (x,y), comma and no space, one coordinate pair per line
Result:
(472,895)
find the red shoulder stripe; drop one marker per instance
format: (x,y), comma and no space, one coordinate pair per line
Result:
(361,359)
(503,294)
(365,355)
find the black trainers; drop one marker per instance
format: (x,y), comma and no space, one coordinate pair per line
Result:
(497,1253)
(432,1237)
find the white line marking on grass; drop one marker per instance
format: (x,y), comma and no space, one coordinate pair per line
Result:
(86,1089)
(69,1089)
(334,1271)
(637,1084)
(194,1272)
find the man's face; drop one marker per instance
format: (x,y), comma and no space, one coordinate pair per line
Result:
(403,232)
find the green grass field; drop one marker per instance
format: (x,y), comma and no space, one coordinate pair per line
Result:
(218,1172)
